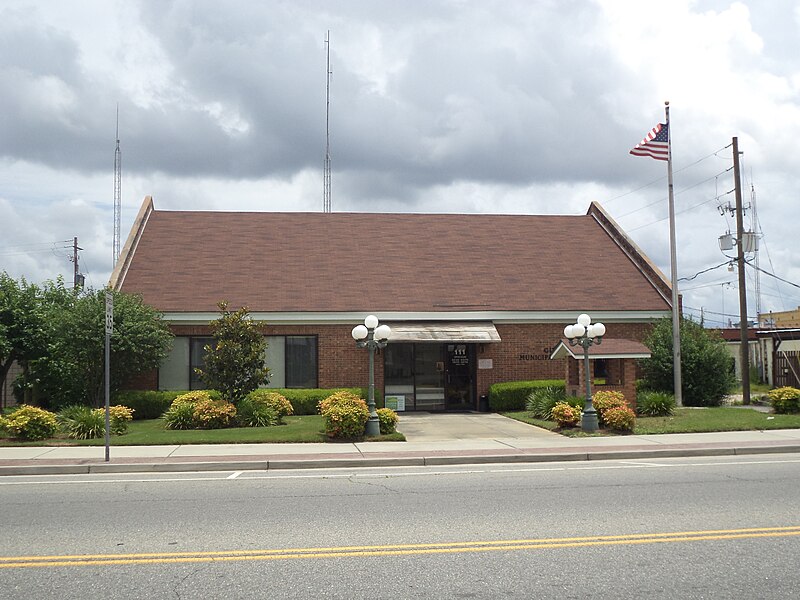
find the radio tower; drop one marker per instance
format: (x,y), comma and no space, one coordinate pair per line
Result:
(117,195)
(326,194)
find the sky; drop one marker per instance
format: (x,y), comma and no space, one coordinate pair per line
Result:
(436,106)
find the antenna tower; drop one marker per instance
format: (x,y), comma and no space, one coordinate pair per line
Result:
(757,231)
(326,194)
(117,195)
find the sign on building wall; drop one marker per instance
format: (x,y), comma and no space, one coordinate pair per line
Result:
(484,363)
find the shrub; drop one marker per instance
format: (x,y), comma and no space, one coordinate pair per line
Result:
(234,363)
(619,418)
(119,417)
(345,415)
(512,395)
(306,401)
(387,419)
(785,400)
(252,413)
(705,363)
(69,413)
(340,398)
(655,404)
(565,415)
(180,415)
(31,423)
(82,422)
(277,402)
(542,400)
(213,414)
(152,404)
(605,400)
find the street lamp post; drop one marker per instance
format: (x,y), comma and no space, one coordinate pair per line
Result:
(585,333)
(372,336)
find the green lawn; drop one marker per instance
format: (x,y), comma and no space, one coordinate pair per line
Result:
(307,428)
(689,420)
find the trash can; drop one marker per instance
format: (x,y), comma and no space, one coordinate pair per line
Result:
(483,403)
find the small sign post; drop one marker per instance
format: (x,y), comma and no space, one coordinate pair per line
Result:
(109,331)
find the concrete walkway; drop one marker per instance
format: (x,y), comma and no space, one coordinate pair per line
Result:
(433,439)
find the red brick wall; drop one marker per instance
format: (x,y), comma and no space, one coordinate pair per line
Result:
(524,353)
(576,384)
(340,363)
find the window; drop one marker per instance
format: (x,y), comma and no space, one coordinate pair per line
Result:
(177,370)
(292,361)
(197,355)
(173,374)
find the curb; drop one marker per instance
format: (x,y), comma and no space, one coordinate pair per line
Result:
(415,461)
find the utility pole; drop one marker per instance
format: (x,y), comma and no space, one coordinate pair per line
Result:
(76,277)
(745,349)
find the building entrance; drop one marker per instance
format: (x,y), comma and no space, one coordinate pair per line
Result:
(430,376)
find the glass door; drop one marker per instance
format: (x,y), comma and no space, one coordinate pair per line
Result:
(429,372)
(459,361)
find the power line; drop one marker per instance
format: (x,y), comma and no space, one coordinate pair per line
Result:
(772,274)
(699,160)
(704,271)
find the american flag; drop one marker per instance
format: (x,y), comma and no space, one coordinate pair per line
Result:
(655,144)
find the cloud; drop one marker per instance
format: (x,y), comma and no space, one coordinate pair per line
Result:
(442,106)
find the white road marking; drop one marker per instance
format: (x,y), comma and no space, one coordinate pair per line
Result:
(11,480)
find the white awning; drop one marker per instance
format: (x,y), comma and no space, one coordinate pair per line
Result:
(464,332)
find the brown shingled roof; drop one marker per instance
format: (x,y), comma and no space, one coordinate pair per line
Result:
(189,260)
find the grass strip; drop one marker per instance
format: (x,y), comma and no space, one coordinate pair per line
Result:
(687,420)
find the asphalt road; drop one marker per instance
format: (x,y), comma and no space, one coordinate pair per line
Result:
(724,527)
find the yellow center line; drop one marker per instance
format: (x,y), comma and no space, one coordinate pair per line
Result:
(393,550)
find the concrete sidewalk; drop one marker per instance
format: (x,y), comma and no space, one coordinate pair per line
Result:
(432,440)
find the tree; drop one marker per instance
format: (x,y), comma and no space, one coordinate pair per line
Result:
(234,365)
(73,369)
(26,313)
(706,365)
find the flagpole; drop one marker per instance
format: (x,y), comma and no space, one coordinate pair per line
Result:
(676,316)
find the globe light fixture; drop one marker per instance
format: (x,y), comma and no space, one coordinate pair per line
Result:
(371,336)
(585,333)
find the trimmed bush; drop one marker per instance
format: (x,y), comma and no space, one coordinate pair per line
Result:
(119,417)
(277,402)
(655,404)
(253,413)
(785,400)
(345,415)
(512,395)
(387,419)
(151,404)
(180,414)
(565,415)
(619,418)
(213,414)
(306,401)
(605,400)
(31,423)
(542,400)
